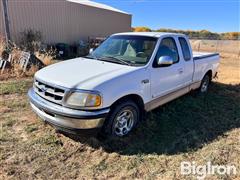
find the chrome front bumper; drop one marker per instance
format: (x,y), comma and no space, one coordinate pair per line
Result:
(63,117)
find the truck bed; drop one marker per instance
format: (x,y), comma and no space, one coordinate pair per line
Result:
(202,55)
(203,62)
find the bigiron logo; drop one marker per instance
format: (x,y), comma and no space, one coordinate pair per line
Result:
(201,171)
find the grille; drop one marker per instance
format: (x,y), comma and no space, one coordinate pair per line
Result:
(50,93)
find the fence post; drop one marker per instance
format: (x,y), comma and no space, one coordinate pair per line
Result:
(199,46)
(216,46)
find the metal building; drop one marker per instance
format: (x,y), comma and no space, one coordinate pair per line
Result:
(65,21)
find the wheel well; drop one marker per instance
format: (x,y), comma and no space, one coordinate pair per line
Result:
(209,73)
(134,97)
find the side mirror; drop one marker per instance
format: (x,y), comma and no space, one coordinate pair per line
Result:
(91,50)
(164,61)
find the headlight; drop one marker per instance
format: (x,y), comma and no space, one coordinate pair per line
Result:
(84,99)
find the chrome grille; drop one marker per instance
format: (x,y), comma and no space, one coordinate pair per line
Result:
(48,92)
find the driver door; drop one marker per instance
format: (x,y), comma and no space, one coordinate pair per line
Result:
(167,79)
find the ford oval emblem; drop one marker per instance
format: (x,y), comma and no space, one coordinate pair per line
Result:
(43,89)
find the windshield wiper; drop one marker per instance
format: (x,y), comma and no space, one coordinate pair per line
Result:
(91,57)
(114,59)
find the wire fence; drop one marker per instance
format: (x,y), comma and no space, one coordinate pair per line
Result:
(222,46)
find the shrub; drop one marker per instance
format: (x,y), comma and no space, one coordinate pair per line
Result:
(46,57)
(142,29)
(31,40)
(38,59)
(202,34)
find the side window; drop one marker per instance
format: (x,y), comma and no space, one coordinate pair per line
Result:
(185,49)
(167,47)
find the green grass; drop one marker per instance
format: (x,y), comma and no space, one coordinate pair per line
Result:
(100,167)
(18,86)
(31,127)
(7,136)
(9,122)
(15,104)
(50,139)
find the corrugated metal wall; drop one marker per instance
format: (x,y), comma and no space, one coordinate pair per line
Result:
(63,21)
(2,29)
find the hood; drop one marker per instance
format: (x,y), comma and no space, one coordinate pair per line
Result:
(81,73)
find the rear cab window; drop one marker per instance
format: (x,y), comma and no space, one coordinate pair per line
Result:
(185,49)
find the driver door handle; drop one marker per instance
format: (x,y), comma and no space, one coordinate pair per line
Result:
(180,70)
(145,81)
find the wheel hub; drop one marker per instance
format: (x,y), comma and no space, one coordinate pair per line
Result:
(205,84)
(124,122)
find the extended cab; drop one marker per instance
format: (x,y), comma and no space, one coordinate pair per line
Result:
(112,87)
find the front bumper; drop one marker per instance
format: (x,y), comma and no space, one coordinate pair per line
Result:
(66,118)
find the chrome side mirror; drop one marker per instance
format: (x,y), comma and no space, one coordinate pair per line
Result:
(91,50)
(165,61)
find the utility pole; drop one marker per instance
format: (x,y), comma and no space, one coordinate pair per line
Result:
(6,20)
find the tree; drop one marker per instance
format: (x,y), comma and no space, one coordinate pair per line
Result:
(202,34)
(141,29)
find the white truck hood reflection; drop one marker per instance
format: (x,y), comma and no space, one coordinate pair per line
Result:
(81,73)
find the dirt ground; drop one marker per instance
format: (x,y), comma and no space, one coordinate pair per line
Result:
(199,128)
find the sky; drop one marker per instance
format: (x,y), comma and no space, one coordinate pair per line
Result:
(213,15)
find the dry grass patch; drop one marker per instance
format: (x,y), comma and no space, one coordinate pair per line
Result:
(46,58)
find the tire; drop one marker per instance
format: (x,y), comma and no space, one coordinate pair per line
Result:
(122,119)
(204,84)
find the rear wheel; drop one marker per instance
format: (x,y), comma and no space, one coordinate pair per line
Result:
(205,84)
(122,119)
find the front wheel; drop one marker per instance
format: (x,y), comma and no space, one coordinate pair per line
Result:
(122,119)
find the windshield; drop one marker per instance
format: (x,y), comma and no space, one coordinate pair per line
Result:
(125,49)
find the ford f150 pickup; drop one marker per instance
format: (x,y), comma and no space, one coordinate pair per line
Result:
(126,76)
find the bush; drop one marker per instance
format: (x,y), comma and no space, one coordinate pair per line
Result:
(31,40)
(231,36)
(46,57)
(202,34)
(37,60)
(142,29)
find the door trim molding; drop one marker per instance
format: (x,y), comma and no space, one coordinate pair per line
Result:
(171,96)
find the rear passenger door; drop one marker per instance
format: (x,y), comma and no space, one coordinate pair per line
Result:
(187,59)
(165,80)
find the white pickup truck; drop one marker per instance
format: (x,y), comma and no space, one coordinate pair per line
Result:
(126,76)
